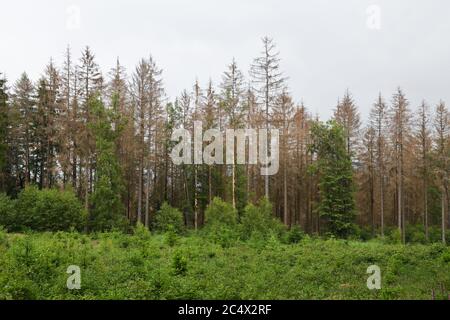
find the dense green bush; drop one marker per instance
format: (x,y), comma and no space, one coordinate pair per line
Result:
(295,234)
(141,232)
(7,212)
(169,219)
(221,222)
(171,236)
(415,234)
(220,212)
(257,221)
(47,210)
(179,263)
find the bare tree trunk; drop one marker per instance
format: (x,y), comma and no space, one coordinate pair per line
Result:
(233,187)
(86,191)
(425,203)
(443,215)
(285,198)
(140,187)
(382,203)
(147,198)
(209,184)
(195,198)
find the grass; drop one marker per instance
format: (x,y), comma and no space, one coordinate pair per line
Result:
(145,266)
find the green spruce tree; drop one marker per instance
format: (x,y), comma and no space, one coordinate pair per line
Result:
(3,134)
(107,210)
(334,168)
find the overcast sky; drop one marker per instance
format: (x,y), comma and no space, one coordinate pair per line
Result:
(326,46)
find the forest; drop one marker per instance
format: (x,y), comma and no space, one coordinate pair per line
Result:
(85,170)
(108,137)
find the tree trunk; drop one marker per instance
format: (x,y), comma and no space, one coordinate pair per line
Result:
(443,215)
(147,198)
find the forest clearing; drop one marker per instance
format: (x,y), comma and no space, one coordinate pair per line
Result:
(143,266)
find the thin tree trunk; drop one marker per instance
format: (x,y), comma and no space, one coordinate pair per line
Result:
(209,184)
(195,199)
(382,203)
(147,198)
(141,173)
(425,203)
(443,215)
(233,187)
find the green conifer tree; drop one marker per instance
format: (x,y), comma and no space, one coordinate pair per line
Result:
(334,167)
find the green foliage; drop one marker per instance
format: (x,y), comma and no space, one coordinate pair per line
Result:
(334,167)
(179,263)
(46,210)
(143,266)
(295,234)
(4,123)
(170,236)
(395,236)
(221,222)
(169,219)
(107,208)
(220,213)
(258,221)
(7,212)
(415,234)
(141,232)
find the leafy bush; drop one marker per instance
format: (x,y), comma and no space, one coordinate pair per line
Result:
(363,233)
(169,218)
(141,232)
(220,213)
(47,210)
(221,223)
(295,234)
(258,221)
(170,237)
(7,212)
(395,236)
(415,234)
(3,238)
(179,263)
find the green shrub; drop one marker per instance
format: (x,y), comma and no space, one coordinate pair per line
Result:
(170,237)
(259,220)
(179,264)
(3,238)
(7,212)
(48,210)
(221,223)
(142,232)
(446,256)
(169,218)
(220,213)
(363,233)
(395,236)
(415,234)
(295,234)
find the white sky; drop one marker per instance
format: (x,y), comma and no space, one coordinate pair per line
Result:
(325,46)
